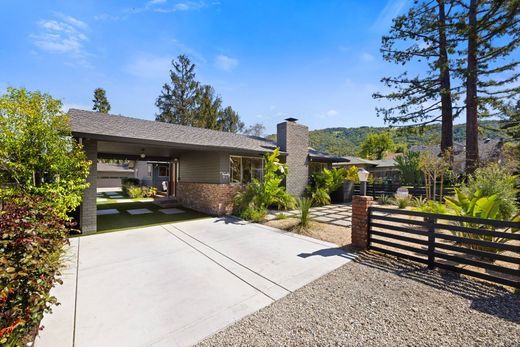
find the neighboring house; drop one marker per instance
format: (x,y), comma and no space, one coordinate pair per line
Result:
(203,168)
(381,170)
(109,175)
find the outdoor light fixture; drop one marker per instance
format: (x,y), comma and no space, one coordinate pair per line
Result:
(363,177)
(142,154)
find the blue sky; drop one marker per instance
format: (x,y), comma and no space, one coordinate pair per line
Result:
(318,61)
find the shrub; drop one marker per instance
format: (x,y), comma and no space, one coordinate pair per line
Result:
(419,201)
(254,215)
(134,192)
(384,200)
(409,166)
(149,192)
(304,205)
(402,202)
(37,150)
(494,180)
(128,183)
(33,238)
(280,216)
(480,206)
(258,196)
(431,206)
(326,182)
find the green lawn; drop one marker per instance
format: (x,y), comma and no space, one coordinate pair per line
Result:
(125,220)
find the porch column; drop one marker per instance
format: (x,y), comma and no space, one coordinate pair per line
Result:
(88,216)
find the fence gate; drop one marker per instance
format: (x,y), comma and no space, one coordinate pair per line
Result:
(482,248)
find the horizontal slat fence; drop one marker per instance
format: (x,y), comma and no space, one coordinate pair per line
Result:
(389,189)
(482,248)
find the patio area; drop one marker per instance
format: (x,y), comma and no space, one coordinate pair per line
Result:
(335,214)
(116,211)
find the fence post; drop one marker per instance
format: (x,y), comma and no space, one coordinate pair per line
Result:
(360,222)
(431,240)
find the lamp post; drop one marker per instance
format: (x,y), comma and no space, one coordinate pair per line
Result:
(363,177)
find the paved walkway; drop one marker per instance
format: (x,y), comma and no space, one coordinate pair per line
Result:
(335,214)
(175,284)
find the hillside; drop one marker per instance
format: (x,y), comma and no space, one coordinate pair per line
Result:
(346,141)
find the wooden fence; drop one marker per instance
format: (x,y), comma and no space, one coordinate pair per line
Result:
(377,189)
(482,248)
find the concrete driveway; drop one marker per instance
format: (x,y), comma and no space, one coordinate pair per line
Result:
(173,285)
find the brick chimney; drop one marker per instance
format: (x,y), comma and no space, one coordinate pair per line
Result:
(293,138)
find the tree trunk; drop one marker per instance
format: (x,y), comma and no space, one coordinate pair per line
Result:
(445,84)
(471,92)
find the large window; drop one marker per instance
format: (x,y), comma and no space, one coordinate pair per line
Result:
(316,167)
(244,169)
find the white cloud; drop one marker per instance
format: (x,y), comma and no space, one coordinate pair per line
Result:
(391,10)
(65,35)
(367,57)
(331,113)
(149,67)
(155,2)
(160,6)
(106,17)
(225,63)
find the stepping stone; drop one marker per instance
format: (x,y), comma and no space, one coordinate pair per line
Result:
(139,211)
(100,195)
(145,200)
(107,212)
(116,196)
(171,211)
(343,223)
(112,193)
(322,219)
(124,200)
(101,199)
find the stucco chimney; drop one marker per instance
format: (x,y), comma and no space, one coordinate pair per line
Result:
(293,138)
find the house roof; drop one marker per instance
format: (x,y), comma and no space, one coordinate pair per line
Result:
(384,163)
(325,157)
(102,126)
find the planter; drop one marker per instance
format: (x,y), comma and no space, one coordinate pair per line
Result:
(343,193)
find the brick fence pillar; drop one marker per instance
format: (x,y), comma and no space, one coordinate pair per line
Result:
(360,205)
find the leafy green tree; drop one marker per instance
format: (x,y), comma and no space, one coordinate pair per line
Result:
(178,100)
(37,152)
(424,35)
(208,108)
(229,121)
(489,70)
(376,146)
(256,129)
(409,166)
(100,101)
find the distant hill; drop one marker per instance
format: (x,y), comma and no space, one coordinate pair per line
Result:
(346,141)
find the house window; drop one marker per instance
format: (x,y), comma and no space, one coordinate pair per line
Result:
(316,167)
(245,169)
(164,171)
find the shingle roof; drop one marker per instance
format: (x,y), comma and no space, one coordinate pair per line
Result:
(322,156)
(103,126)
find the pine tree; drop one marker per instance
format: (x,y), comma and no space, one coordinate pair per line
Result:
(230,121)
(425,98)
(100,101)
(490,28)
(208,108)
(178,101)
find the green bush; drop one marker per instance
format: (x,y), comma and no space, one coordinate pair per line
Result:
(131,181)
(33,236)
(431,206)
(280,216)
(419,201)
(480,206)
(254,215)
(149,192)
(384,200)
(134,192)
(258,196)
(326,182)
(304,205)
(402,202)
(37,151)
(494,180)
(409,166)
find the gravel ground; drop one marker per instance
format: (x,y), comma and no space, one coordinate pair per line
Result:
(378,300)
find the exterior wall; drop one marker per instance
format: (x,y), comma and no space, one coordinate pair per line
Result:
(88,210)
(111,179)
(210,198)
(204,167)
(141,172)
(294,139)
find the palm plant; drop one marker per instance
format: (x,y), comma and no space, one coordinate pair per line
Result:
(305,206)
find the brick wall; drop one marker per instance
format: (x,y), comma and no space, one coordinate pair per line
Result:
(293,138)
(211,198)
(88,216)
(360,205)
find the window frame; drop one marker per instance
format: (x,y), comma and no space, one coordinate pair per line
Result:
(241,157)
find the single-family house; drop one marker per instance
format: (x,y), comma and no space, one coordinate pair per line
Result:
(203,168)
